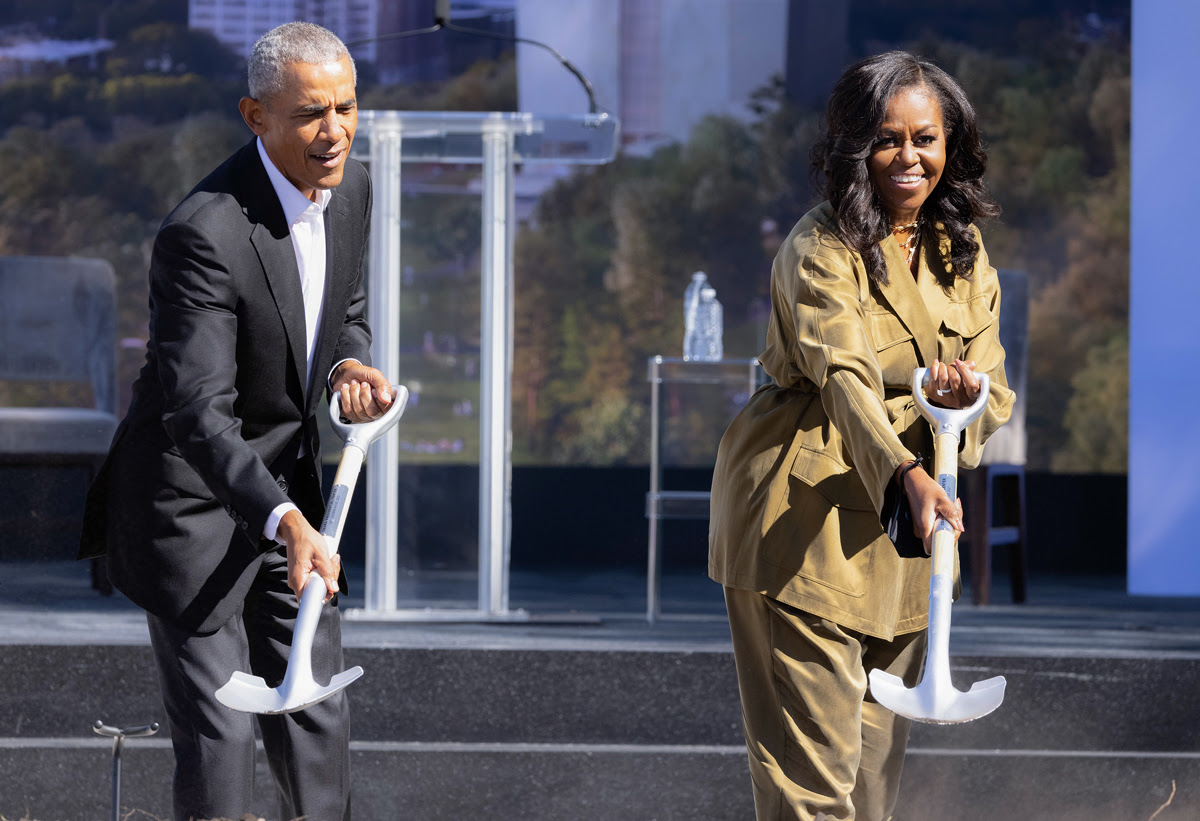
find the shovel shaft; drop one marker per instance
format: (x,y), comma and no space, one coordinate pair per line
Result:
(300,656)
(339,497)
(941,580)
(945,461)
(299,675)
(941,597)
(311,601)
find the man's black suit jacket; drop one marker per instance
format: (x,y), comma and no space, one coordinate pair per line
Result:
(209,445)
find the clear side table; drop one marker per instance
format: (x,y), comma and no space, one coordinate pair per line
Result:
(681,504)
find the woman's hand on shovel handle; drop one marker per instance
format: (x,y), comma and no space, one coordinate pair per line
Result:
(929,503)
(366,392)
(953,385)
(306,554)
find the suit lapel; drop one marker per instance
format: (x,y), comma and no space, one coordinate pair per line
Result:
(331,314)
(908,300)
(273,244)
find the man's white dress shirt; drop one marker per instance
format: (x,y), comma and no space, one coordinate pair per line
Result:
(306,226)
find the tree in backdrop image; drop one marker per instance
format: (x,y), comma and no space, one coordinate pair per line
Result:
(109,146)
(1059,136)
(1055,117)
(602,264)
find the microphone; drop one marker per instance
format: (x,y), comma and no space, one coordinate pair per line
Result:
(442,21)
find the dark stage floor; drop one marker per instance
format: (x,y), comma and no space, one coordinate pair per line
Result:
(52,602)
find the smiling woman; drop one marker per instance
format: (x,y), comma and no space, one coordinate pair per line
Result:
(906,117)
(889,274)
(907,160)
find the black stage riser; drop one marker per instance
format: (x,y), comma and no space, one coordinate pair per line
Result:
(529,734)
(625,785)
(620,697)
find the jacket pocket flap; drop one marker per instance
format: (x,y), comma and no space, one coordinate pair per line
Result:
(839,484)
(967,319)
(887,330)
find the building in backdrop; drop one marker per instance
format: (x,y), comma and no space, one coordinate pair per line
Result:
(23,55)
(237,24)
(818,50)
(445,54)
(360,23)
(659,65)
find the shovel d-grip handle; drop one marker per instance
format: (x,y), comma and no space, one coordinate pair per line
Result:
(949,420)
(948,425)
(934,699)
(357,437)
(362,434)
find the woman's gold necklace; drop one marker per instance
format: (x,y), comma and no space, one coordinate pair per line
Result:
(909,245)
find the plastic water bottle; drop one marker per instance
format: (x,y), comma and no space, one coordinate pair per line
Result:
(691,300)
(709,327)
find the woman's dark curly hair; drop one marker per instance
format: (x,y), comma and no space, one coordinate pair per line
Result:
(855,114)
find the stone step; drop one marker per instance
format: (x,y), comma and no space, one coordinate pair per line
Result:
(54,780)
(533,733)
(657,697)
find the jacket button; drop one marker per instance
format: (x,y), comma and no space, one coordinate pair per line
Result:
(283,485)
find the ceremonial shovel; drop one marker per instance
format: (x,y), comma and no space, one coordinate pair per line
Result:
(299,689)
(934,699)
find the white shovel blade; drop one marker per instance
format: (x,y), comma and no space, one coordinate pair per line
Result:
(934,704)
(250,694)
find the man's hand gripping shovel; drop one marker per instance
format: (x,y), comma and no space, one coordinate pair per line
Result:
(934,699)
(299,689)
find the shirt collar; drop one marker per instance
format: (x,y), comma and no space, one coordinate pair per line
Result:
(294,203)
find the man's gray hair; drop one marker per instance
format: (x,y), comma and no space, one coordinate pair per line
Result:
(290,43)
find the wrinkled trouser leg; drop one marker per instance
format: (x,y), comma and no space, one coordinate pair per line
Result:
(308,751)
(819,746)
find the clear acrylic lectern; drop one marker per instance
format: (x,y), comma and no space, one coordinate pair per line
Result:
(497,141)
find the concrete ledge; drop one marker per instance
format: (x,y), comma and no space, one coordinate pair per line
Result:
(1043,787)
(47,780)
(620,697)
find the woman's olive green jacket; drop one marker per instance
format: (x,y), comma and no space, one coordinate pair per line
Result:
(802,470)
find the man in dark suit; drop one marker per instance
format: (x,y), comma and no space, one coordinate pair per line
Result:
(207,501)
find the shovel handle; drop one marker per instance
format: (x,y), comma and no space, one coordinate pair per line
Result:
(934,699)
(338,506)
(948,425)
(949,420)
(300,658)
(362,434)
(944,548)
(357,437)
